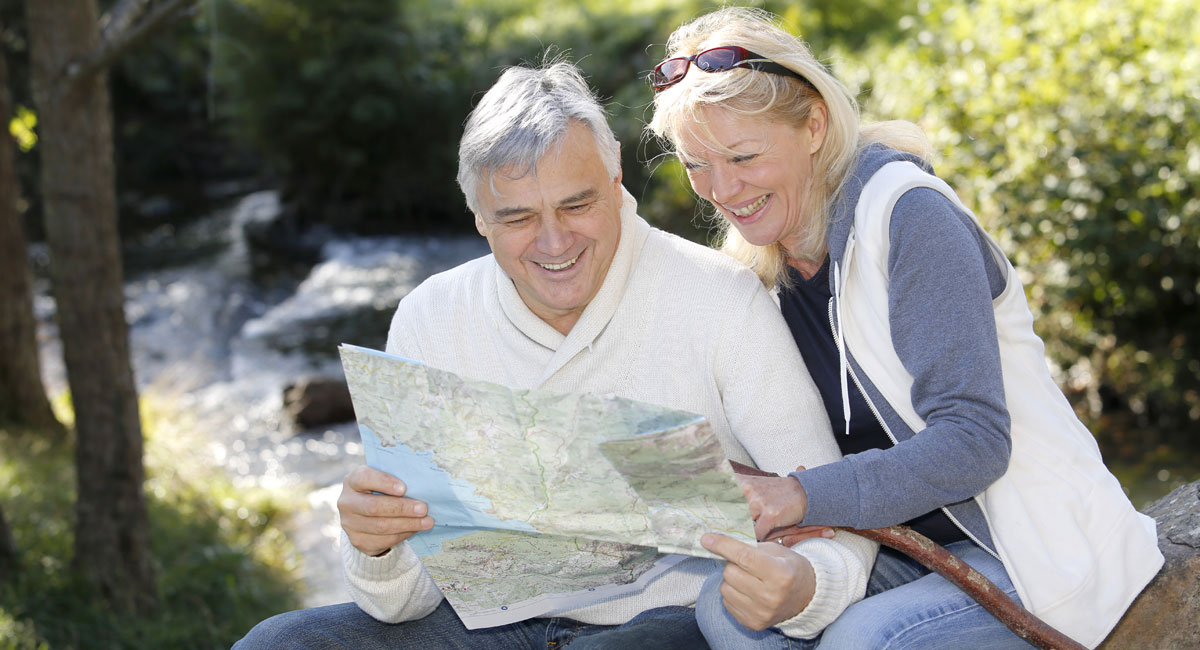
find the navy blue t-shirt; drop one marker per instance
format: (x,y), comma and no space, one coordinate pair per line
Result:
(805,307)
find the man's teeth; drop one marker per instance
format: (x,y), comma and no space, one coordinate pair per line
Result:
(558,267)
(753,207)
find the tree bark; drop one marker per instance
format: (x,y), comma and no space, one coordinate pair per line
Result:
(22,395)
(79,194)
(8,550)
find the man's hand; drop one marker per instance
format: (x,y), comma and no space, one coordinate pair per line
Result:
(764,585)
(375,514)
(775,502)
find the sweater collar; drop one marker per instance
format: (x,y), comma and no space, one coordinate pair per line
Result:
(599,311)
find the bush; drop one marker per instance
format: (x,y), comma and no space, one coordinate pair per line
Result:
(221,559)
(1071,129)
(349,110)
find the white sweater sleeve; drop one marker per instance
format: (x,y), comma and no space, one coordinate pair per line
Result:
(392,588)
(841,565)
(777,414)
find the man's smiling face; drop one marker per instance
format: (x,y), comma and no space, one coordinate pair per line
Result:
(555,233)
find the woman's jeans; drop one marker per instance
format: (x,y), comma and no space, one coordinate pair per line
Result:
(346,627)
(907,607)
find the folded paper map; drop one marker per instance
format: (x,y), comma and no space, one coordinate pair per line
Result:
(542,501)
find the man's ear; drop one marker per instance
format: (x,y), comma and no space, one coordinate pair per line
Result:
(479,225)
(617,188)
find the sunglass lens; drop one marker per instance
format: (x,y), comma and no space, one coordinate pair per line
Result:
(720,58)
(670,71)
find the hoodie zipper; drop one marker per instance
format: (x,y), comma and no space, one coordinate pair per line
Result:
(887,430)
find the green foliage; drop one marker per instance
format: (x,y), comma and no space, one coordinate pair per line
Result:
(222,561)
(344,104)
(1071,129)
(22,126)
(359,105)
(168,149)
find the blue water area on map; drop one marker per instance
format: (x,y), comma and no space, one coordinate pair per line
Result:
(430,542)
(452,502)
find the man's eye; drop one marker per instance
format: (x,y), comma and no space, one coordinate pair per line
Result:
(746,157)
(579,207)
(693,166)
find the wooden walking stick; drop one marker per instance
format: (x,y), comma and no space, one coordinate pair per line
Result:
(936,558)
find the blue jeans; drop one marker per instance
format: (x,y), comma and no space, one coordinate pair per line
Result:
(346,627)
(907,608)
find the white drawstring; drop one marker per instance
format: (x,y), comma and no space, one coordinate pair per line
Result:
(841,344)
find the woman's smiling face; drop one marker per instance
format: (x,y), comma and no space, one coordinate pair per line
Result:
(757,172)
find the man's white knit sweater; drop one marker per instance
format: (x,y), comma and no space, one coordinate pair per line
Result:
(674,324)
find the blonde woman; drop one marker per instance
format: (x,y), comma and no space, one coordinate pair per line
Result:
(916,331)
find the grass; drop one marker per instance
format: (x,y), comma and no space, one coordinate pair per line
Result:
(221,558)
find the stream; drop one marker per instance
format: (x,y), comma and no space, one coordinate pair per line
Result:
(220,338)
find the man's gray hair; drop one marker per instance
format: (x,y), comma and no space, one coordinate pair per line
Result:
(521,117)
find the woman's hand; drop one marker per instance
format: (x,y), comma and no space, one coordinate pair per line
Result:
(792,535)
(375,513)
(764,585)
(775,502)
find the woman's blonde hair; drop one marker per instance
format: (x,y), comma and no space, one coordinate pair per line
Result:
(678,112)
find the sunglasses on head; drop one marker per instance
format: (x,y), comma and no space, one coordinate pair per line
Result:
(717,59)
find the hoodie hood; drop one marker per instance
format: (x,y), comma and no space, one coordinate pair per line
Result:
(841,218)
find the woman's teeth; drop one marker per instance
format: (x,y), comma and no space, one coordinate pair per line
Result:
(753,207)
(558,267)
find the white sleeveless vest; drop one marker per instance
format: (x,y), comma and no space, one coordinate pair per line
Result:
(1076,549)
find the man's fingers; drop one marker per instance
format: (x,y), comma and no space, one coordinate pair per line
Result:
(366,504)
(386,525)
(741,607)
(376,534)
(375,513)
(732,550)
(758,610)
(369,479)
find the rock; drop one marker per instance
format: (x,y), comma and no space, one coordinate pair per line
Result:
(317,401)
(1167,613)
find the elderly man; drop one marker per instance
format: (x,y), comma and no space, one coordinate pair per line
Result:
(581,295)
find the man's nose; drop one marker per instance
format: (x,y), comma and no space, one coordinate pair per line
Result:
(554,237)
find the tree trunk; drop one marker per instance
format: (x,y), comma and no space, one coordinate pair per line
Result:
(8,550)
(22,395)
(79,194)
